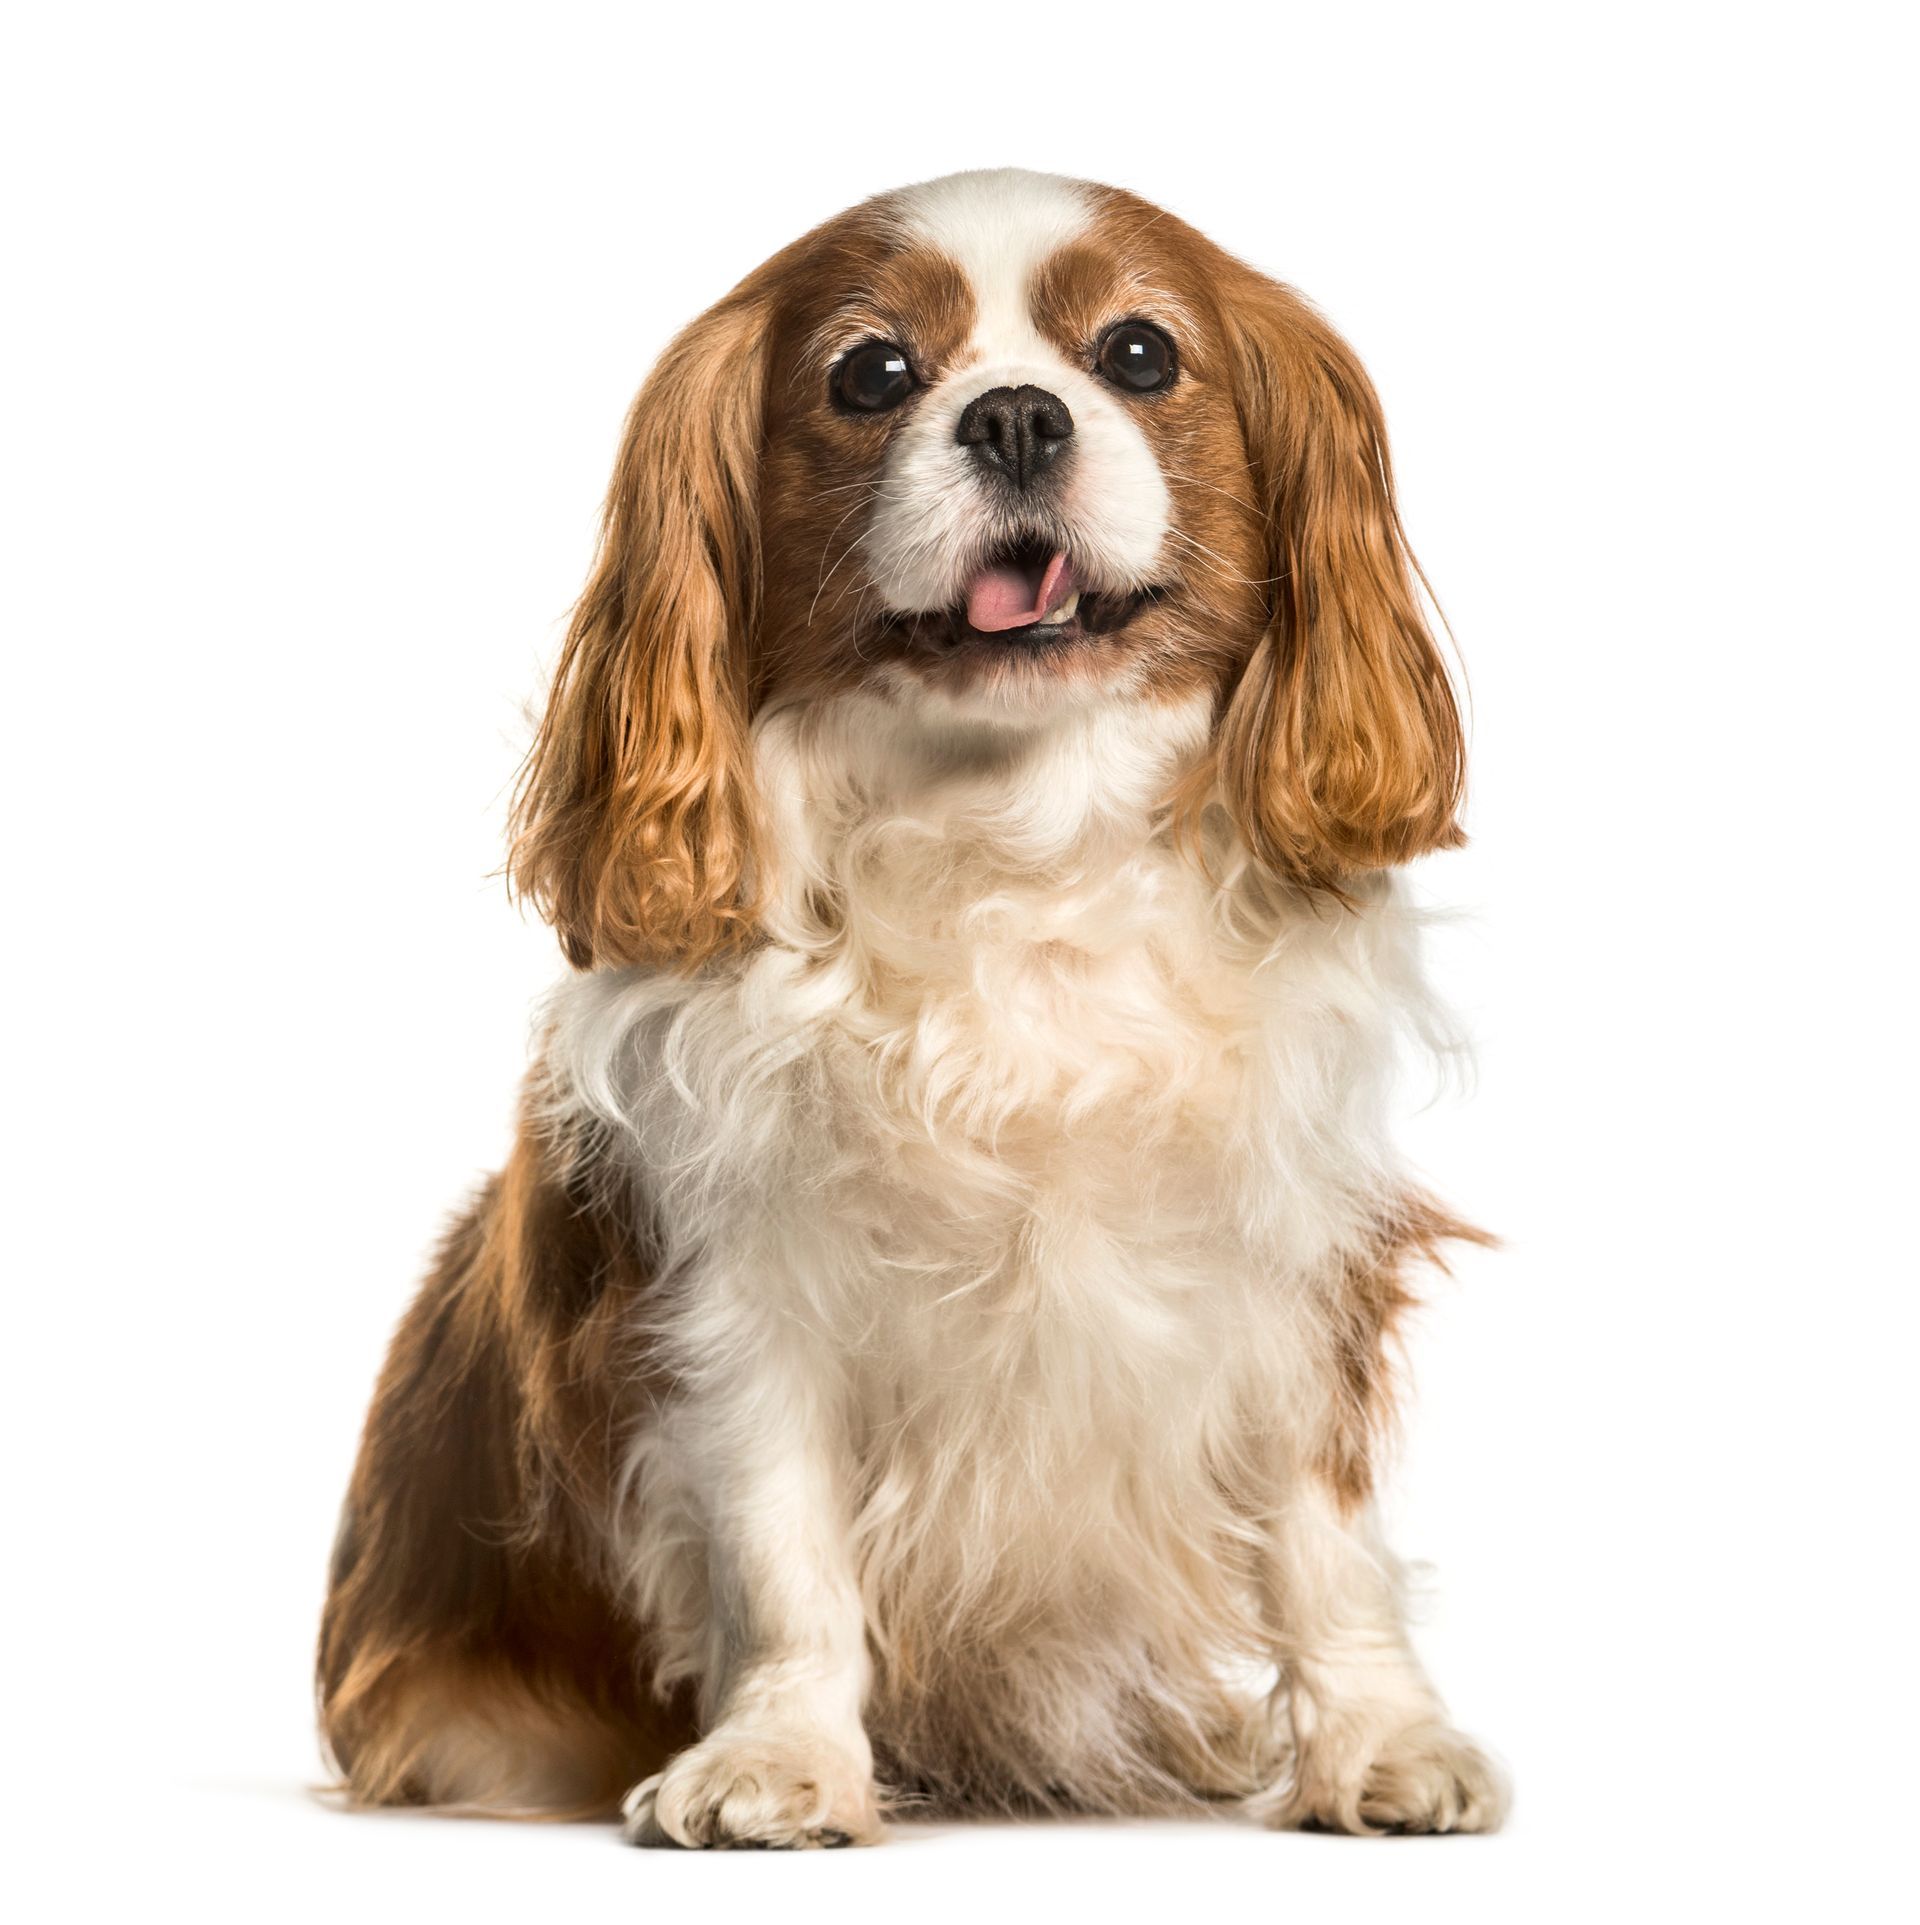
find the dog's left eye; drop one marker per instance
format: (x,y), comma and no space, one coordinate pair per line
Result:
(1137,357)
(874,377)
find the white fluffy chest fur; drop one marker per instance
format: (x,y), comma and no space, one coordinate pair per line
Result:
(1014,1165)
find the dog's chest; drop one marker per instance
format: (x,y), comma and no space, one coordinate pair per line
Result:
(998,1136)
(1086,1052)
(1025,1160)
(1033,1231)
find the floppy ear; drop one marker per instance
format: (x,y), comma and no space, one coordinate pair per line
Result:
(1340,749)
(634,824)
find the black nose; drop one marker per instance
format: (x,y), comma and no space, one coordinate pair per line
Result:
(1017,430)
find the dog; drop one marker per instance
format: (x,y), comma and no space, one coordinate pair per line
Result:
(932,1342)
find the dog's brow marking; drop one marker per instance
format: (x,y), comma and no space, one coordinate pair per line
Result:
(998,227)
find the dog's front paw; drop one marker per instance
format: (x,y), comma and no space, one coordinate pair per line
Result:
(740,1792)
(1420,1778)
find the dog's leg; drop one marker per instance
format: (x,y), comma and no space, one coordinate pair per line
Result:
(469,1656)
(1373,1750)
(785,1760)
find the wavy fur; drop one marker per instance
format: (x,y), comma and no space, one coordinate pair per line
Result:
(933,1338)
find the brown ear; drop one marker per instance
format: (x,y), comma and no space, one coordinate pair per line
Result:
(635,824)
(1340,749)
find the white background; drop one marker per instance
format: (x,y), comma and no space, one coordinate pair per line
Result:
(321,327)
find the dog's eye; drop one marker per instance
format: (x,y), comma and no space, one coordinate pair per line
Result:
(874,377)
(1137,357)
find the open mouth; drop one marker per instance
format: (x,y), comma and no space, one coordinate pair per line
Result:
(1027,595)
(1026,586)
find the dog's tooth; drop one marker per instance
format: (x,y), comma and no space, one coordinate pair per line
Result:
(1064,613)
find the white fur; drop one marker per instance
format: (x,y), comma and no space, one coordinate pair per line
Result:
(1002,1202)
(1373,1750)
(998,1199)
(935,520)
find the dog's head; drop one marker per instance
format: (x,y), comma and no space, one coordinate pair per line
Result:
(991,448)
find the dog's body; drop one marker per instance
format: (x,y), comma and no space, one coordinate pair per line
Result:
(936,1315)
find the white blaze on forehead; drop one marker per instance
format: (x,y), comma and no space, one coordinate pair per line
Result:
(997,227)
(935,522)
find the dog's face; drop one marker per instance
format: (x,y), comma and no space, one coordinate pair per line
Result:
(1005,468)
(991,448)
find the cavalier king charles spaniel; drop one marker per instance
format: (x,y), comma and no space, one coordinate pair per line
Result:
(929,1347)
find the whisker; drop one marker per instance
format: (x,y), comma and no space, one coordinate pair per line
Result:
(1197,482)
(1219,564)
(821,587)
(847,488)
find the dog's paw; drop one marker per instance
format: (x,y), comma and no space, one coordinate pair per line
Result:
(743,1793)
(1420,1778)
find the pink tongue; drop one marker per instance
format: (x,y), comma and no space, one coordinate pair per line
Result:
(1008,596)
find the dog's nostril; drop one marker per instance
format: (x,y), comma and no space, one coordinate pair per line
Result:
(1019,431)
(1050,417)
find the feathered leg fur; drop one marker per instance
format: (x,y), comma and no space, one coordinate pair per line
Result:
(473,1654)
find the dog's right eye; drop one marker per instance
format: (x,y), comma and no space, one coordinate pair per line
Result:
(874,377)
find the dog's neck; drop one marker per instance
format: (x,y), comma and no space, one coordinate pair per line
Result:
(940,826)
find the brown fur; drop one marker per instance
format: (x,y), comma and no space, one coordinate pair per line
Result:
(729,576)
(1341,748)
(1215,594)
(822,463)
(634,827)
(471,1649)
(474,1650)
(1371,1307)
